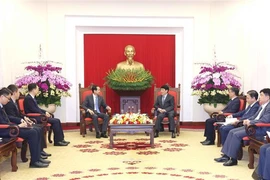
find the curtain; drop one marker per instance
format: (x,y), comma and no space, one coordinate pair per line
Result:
(102,52)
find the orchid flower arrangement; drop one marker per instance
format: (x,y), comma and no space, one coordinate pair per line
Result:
(51,85)
(213,81)
(130,118)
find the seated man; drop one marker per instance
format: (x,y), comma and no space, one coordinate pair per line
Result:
(31,106)
(233,142)
(92,105)
(164,106)
(12,110)
(264,162)
(232,107)
(29,134)
(253,107)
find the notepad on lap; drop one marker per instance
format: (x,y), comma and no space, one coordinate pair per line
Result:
(229,120)
(268,133)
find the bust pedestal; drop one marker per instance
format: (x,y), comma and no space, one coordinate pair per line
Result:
(130,101)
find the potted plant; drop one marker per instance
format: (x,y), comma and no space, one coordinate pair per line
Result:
(129,81)
(52,86)
(212,83)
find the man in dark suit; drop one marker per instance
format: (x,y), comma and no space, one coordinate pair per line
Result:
(164,107)
(11,109)
(232,107)
(92,105)
(31,106)
(28,134)
(253,107)
(234,138)
(264,162)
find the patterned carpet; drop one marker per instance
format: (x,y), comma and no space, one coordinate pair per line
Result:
(132,158)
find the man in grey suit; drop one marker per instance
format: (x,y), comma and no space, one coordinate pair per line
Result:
(92,105)
(264,162)
(233,141)
(164,107)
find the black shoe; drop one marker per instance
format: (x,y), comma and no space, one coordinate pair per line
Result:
(43,157)
(104,135)
(222,159)
(44,161)
(173,134)
(231,162)
(98,135)
(204,141)
(65,141)
(38,165)
(208,143)
(43,153)
(60,143)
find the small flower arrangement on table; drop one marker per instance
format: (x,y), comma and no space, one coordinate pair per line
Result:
(131,118)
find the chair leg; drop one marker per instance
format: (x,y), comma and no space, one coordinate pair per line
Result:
(178,128)
(23,151)
(218,138)
(240,154)
(45,136)
(251,157)
(83,129)
(50,135)
(91,127)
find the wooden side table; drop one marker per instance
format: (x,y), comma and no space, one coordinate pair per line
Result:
(8,145)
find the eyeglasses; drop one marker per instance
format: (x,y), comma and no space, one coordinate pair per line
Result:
(7,97)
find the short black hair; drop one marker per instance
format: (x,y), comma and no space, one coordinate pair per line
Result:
(32,86)
(165,86)
(253,94)
(13,88)
(5,91)
(235,90)
(265,91)
(94,88)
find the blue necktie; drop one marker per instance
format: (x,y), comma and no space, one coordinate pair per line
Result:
(247,110)
(96,105)
(163,99)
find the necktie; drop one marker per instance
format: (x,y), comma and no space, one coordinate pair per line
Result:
(5,115)
(96,105)
(248,108)
(35,100)
(16,105)
(258,113)
(163,99)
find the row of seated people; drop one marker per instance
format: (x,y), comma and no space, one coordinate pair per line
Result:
(93,103)
(28,130)
(232,134)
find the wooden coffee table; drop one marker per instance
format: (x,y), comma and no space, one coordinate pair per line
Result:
(131,129)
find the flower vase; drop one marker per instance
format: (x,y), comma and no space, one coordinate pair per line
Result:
(210,108)
(51,108)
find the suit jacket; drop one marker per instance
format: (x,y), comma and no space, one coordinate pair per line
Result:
(4,120)
(30,105)
(12,110)
(243,115)
(168,103)
(232,106)
(88,103)
(264,116)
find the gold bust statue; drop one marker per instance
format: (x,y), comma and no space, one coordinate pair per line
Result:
(130,63)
